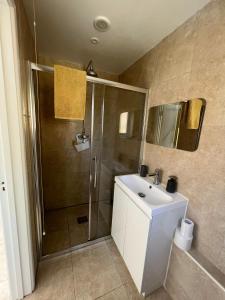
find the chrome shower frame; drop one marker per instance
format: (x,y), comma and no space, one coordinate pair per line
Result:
(33,135)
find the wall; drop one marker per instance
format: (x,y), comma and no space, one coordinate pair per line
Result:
(189,63)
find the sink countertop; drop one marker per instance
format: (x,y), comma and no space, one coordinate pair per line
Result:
(156,201)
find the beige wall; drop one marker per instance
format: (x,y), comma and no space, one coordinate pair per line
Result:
(189,63)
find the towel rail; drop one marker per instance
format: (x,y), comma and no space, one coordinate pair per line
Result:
(43,68)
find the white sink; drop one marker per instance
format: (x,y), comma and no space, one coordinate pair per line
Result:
(151,199)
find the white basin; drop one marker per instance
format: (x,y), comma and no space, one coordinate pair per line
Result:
(154,199)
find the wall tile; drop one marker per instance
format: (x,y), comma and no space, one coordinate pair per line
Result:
(191,63)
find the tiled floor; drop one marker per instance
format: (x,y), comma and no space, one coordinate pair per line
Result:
(63,230)
(95,272)
(4,285)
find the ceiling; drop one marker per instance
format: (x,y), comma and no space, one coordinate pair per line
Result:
(64,28)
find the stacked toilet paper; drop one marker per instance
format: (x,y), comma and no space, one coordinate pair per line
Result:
(184,235)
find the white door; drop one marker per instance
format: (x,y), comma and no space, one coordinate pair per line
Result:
(14,191)
(7,176)
(120,201)
(11,280)
(4,276)
(135,244)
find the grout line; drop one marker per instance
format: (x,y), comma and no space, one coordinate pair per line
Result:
(73,270)
(68,229)
(165,288)
(110,291)
(66,207)
(204,270)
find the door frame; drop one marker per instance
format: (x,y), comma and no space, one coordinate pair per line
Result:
(92,172)
(14,198)
(34,127)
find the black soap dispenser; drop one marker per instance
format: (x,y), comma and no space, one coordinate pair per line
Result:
(143,170)
(171,186)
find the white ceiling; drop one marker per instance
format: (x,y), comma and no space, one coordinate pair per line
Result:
(66,26)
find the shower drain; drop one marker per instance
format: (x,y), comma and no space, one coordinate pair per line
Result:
(83,219)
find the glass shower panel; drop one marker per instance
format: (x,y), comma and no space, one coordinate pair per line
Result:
(65,172)
(121,137)
(96,140)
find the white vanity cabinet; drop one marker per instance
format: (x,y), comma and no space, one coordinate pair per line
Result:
(143,239)
(120,212)
(135,241)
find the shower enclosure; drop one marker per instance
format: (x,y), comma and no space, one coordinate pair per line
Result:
(74,190)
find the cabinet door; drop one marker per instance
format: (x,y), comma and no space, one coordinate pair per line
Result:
(135,244)
(119,217)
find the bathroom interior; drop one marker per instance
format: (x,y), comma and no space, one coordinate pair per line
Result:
(124,120)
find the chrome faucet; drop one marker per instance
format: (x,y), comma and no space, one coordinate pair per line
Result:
(157,176)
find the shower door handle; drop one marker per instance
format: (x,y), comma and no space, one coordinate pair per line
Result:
(96,166)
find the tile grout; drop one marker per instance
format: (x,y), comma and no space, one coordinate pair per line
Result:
(110,291)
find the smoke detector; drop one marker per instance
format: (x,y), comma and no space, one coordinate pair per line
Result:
(102,23)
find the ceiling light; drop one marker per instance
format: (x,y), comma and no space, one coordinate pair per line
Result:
(102,23)
(94,40)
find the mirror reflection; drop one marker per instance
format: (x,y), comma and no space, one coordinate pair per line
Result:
(176,125)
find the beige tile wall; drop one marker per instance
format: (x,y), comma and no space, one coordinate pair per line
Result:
(188,281)
(188,63)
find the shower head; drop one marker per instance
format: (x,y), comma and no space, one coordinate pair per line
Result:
(90,70)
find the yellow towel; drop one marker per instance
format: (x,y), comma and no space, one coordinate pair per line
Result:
(194,112)
(70,93)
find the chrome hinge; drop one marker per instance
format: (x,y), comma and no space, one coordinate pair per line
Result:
(3,185)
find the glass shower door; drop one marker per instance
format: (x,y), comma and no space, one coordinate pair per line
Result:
(95,135)
(116,146)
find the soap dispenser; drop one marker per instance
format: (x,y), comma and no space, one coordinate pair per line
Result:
(143,170)
(171,186)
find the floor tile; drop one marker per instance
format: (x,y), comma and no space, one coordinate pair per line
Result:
(56,220)
(78,234)
(56,241)
(55,280)
(129,292)
(63,230)
(93,272)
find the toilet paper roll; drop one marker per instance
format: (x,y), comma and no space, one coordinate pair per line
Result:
(182,242)
(187,228)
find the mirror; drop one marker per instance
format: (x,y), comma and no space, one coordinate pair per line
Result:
(176,125)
